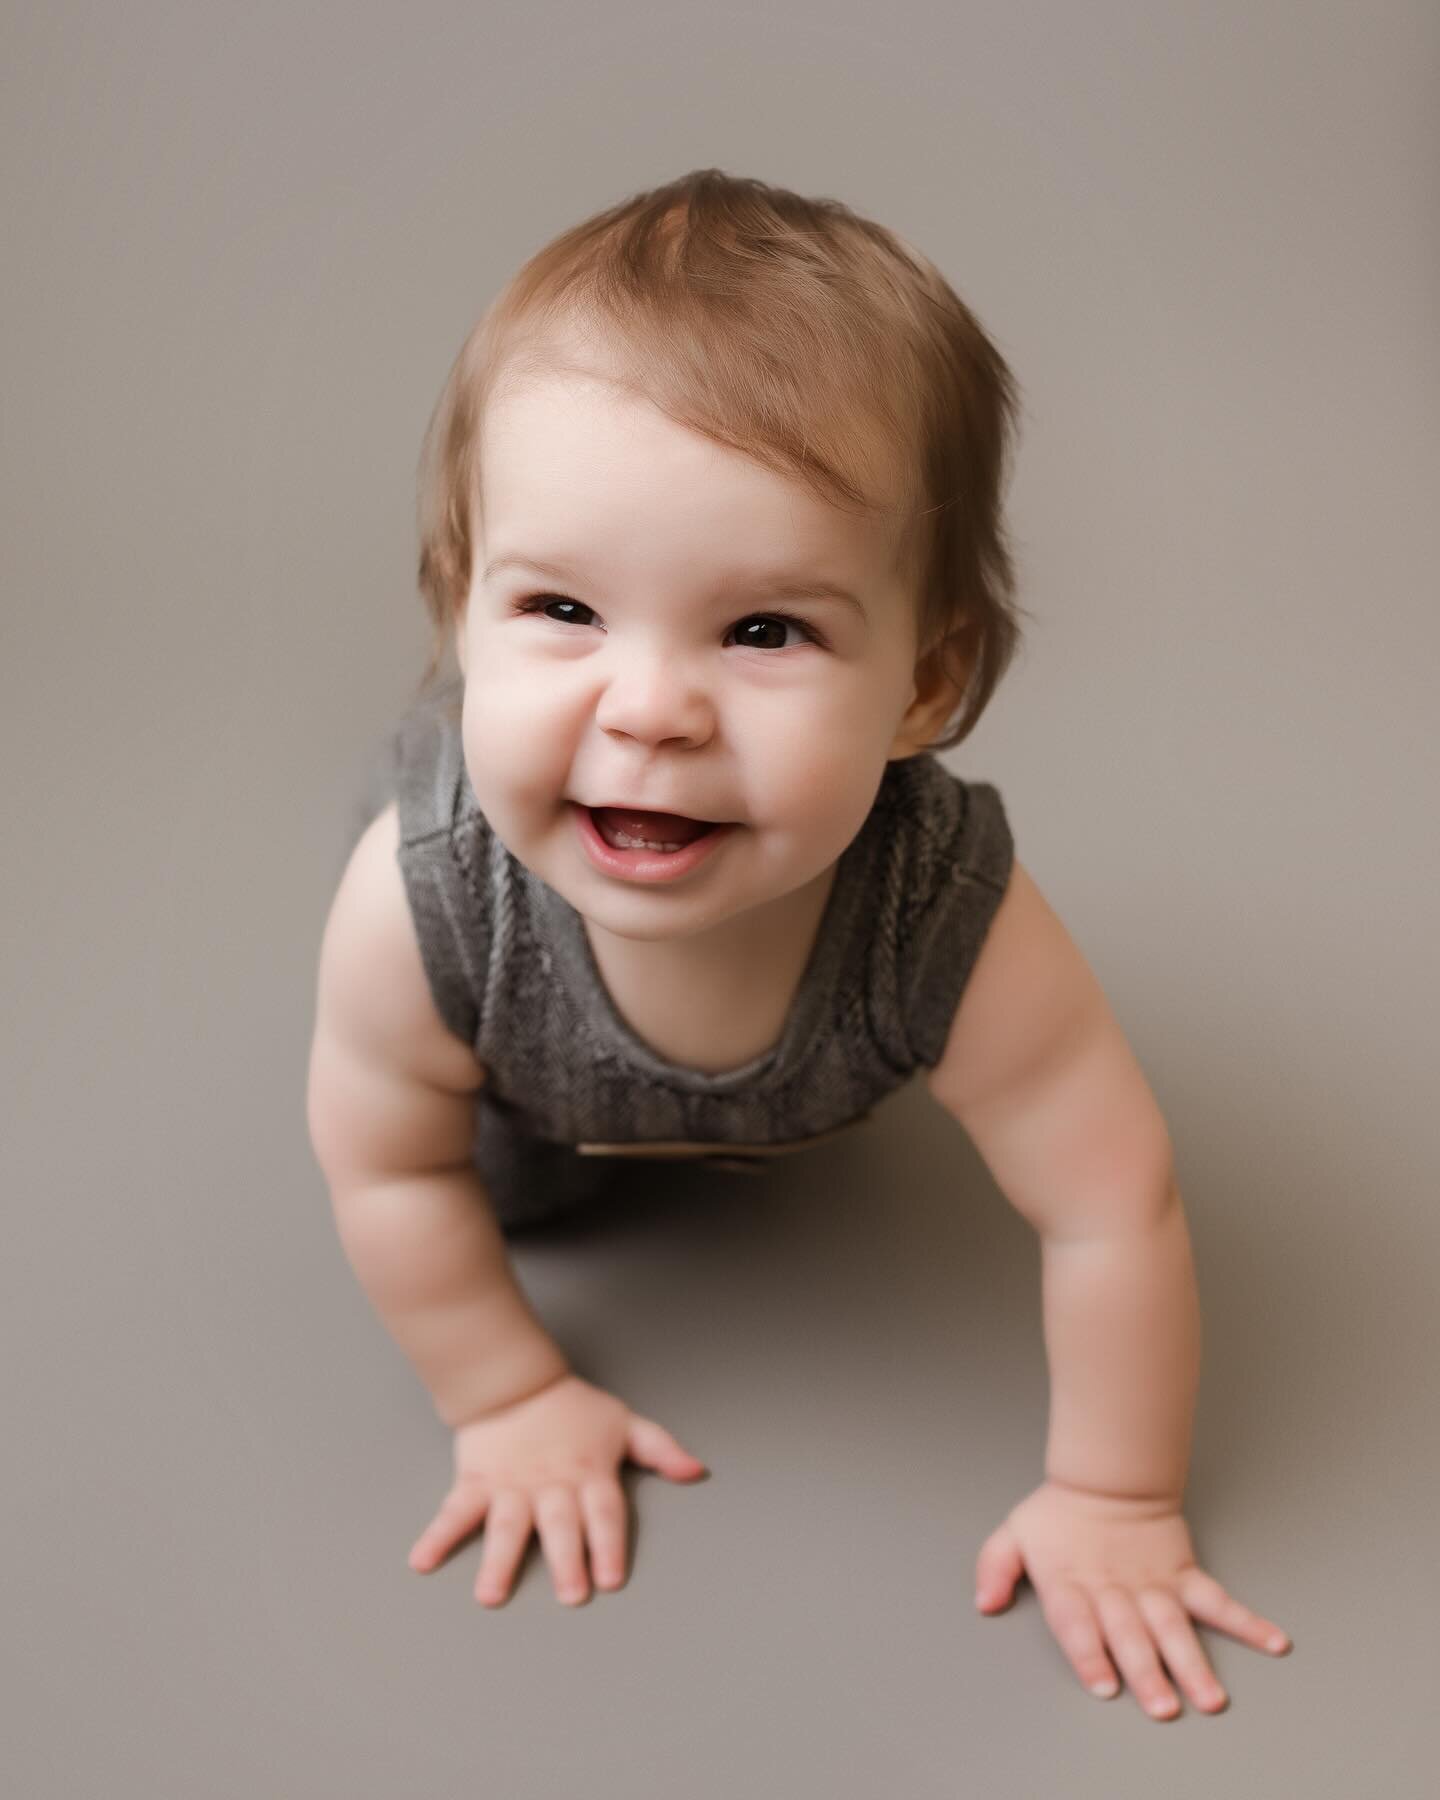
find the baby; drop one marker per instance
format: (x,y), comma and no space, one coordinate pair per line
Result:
(711,511)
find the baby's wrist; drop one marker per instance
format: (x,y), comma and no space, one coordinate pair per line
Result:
(515,1374)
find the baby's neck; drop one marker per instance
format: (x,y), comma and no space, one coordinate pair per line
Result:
(716,1000)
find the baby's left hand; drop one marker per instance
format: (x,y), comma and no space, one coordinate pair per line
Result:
(1120,1573)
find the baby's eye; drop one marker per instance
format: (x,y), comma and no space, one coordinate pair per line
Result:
(537,601)
(769,620)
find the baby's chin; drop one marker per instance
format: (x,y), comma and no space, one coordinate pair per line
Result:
(747,909)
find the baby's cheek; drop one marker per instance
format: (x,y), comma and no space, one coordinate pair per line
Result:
(833,791)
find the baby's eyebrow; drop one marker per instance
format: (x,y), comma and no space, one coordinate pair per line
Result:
(775,584)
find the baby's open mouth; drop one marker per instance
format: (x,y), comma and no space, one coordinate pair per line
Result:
(630,830)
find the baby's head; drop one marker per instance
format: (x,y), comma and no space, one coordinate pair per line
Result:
(670,406)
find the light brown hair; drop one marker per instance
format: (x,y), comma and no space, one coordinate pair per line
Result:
(798,333)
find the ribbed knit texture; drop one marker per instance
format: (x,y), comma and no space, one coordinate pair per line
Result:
(512,974)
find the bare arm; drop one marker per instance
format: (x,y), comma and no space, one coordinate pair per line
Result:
(1038,1072)
(391,1108)
(1122,1336)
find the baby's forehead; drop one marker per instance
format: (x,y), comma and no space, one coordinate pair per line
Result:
(539,416)
(569,432)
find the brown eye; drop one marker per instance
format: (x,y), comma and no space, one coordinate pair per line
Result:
(771,623)
(537,602)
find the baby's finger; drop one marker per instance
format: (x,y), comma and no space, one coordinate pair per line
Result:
(602,1504)
(652,1445)
(1187,1662)
(1134,1650)
(557,1525)
(460,1512)
(1071,1617)
(1209,1602)
(507,1531)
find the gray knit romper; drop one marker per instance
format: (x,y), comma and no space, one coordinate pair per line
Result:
(571,1093)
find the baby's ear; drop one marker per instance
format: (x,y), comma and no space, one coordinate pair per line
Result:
(940,679)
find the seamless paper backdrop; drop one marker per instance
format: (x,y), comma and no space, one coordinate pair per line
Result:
(242,248)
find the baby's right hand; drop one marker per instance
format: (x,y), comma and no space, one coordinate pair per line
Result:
(549,1461)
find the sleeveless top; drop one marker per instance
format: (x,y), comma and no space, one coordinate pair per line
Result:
(512,973)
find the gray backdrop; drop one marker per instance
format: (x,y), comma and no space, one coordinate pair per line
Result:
(241,247)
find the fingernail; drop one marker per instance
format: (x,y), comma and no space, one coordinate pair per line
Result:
(1104,1690)
(1278,1642)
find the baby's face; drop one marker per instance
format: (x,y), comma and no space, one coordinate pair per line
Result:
(653,670)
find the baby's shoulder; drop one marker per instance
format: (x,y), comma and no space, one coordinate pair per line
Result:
(945,834)
(374,986)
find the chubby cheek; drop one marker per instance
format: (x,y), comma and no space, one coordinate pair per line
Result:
(814,784)
(827,799)
(516,763)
